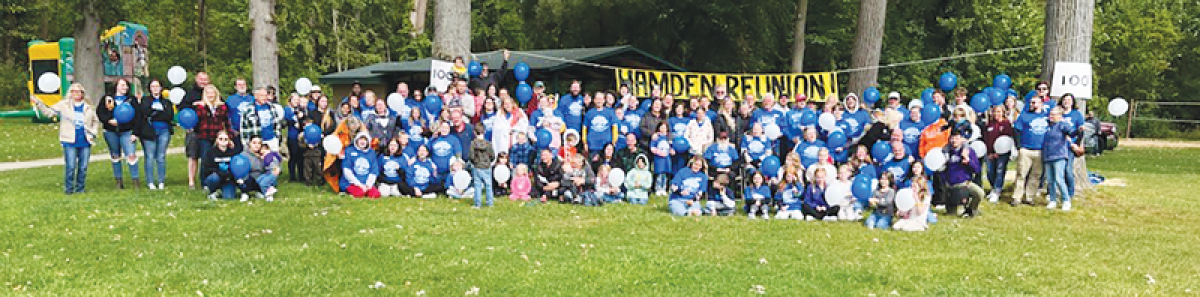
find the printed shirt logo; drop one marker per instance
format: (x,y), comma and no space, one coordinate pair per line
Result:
(854,126)
(600,124)
(723,159)
(692,184)
(757,146)
(663,146)
(911,135)
(414,133)
(576,108)
(1039,126)
(812,151)
(633,120)
(896,171)
(678,129)
(266,116)
(442,148)
(421,175)
(362,166)
(391,168)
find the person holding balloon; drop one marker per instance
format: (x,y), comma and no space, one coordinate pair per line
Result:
(688,188)
(912,125)
(660,146)
(296,108)
(217,166)
(998,154)
(916,218)
(263,172)
(883,203)
(212,118)
(814,206)
(78,127)
(117,114)
(961,164)
(159,113)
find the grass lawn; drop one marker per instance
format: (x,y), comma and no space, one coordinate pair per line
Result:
(1134,240)
(25,141)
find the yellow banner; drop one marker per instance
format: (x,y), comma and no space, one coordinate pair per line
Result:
(817,86)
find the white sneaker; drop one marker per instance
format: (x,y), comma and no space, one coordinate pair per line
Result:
(162,186)
(213,196)
(831,219)
(245,198)
(271,192)
(752,216)
(994,198)
(1052,205)
(809,218)
(151,186)
(270,198)
(429,196)
(767,217)
(1066,206)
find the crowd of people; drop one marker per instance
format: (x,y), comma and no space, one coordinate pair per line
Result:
(475,141)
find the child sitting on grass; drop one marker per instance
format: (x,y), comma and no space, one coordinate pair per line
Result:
(521,184)
(452,189)
(638,181)
(604,188)
(720,198)
(883,202)
(758,197)
(502,186)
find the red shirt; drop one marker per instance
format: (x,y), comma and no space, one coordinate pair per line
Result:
(211,121)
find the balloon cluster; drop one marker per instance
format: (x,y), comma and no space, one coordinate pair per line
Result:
(524,92)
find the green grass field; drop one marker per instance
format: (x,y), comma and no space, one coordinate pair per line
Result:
(1134,240)
(25,141)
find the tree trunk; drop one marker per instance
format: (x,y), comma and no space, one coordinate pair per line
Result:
(868,42)
(264,51)
(417,17)
(202,30)
(1069,39)
(452,29)
(798,44)
(88,68)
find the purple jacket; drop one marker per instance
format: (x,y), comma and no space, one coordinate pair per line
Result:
(956,171)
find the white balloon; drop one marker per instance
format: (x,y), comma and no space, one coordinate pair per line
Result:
(49,82)
(332,144)
(1117,107)
(979,148)
(177,95)
(826,121)
(303,86)
(905,200)
(462,179)
(176,75)
(772,131)
(935,159)
(501,173)
(1003,144)
(616,177)
(836,194)
(395,103)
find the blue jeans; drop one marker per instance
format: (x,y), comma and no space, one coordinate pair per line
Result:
(156,156)
(879,221)
(610,198)
(679,207)
(660,182)
(120,146)
(482,178)
(76,168)
(1056,180)
(996,170)
(1070,175)
(215,183)
(261,183)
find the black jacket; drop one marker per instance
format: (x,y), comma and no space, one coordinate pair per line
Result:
(211,162)
(145,108)
(543,173)
(104,114)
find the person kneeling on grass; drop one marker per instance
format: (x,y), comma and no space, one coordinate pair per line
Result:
(547,177)
(720,198)
(265,166)
(883,201)
(815,207)
(421,176)
(687,188)
(452,190)
(758,197)
(604,188)
(218,178)
(580,182)
(638,181)
(360,168)
(391,166)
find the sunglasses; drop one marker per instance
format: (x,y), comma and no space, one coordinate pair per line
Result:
(1043,89)
(222,138)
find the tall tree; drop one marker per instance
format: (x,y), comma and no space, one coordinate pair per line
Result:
(868,43)
(452,29)
(417,16)
(1069,39)
(88,69)
(264,49)
(798,43)
(202,29)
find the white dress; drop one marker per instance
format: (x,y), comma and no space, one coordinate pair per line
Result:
(918,218)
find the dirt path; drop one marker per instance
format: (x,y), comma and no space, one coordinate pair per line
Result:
(59,161)
(1158,143)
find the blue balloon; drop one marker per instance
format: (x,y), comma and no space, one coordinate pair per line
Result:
(680,144)
(524,93)
(927,95)
(188,118)
(1011,92)
(521,71)
(123,112)
(871,95)
(239,166)
(861,188)
(543,138)
(312,134)
(770,166)
(930,113)
(980,102)
(836,139)
(948,81)
(474,68)
(1030,95)
(808,118)
(869,170)
(997,95)
(881,151)
(1002,81)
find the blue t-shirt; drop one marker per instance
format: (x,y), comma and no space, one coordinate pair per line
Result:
(912,134)
(721,156)
(80,132)
(686,180)
(808,151)
(571,107)
(662,164)
(678,126)
(899,169)
(633,121)
(1032,127)
(421,173)
(443,148)
(759,193)
(792,196)
(267,120)
(600,123)
(857,121)
(758,148)
(391,167)
(235,102)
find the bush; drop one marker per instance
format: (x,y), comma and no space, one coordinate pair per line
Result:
(14,89)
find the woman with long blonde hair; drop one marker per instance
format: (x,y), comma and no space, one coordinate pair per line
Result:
(77,130)
(213,117)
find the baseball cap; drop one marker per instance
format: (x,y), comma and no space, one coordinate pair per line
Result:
(315,88)
(893,95)
(539,84)
(915,104)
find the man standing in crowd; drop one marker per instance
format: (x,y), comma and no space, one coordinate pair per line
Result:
(1031,129)
(571,106)
(485,77)
(191,144)
(262,118)
(236,101)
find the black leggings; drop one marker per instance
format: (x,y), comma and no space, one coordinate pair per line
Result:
(820,215)
(431,188)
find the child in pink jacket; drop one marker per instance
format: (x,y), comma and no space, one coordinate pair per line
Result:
(521,185)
